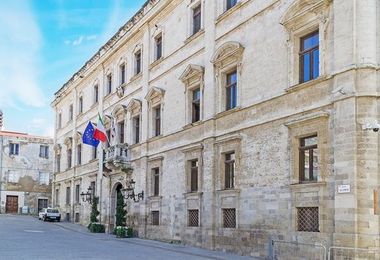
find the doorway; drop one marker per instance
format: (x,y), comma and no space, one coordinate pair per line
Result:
(11,205)
(42,203)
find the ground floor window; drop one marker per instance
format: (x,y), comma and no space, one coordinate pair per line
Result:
(155,218)
(229,218)
(308,219)
(193,218)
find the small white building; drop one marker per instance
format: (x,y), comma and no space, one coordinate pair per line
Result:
(26,166)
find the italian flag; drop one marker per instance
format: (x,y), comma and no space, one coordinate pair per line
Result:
(100,132)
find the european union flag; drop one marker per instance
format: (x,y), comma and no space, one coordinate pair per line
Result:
(88,136)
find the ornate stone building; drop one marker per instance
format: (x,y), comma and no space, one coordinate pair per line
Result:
(242,121)
(26,166)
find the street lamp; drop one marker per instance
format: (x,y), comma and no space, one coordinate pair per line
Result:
(130,192)
(87,197)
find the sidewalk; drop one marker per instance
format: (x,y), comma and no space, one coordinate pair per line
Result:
(177,248)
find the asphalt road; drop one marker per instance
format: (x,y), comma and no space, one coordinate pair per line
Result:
(25,237)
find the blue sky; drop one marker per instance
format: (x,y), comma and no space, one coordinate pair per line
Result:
(42,44)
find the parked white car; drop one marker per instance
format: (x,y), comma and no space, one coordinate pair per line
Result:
(49,214)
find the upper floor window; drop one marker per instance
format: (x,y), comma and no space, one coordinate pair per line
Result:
(59,120)
(158,47)
(193,175)
(231,90)
(109,84)
(122,73)
(308,159)
(309,57)
(80,105)
(77,193)
(58,162)
(94,152)
(120,127)
(136,129)
(69,158)
(68,195)
(230,4)
(44,151)
(229,170)
(96,94)
(156,181)
(14,149)
(138,62)
(79,154)
(43,178)
(71,112)
(157,120)
(196,105)
(197,18)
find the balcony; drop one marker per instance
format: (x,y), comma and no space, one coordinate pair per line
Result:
(117,158)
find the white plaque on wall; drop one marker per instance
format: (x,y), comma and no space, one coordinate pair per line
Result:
(344,188)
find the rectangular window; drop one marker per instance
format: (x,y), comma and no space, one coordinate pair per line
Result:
(157,120)
(229,171)
(308,219)
(137,62)
(156,181)
(193,218)
(14,149)
(56,197)
(58,163)
(80,105)
(108,134)
(309,57)
(109,84)
(197,14)
(68,193)
(59,120)
(229,218)
(155,218)
(122,73)
(43,178)
(136,129)
(231,90)
(158,42)
(69,156)
(194,175)
(71,112)
(12,176)
(44,151)
(196,105)
(230,4)
(96,94)
(94,152)
(120,126)
(77,192)
(76,217)
(308,159)
(79,154)
(93,188)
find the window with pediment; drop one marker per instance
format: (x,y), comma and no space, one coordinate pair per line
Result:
(306,23)
(119,115)
(134,110)
(155,98)
(227,62)
(192,79)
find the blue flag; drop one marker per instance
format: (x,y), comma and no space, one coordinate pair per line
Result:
(88,136)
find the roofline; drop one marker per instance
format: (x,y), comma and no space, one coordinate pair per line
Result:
(26,135)
(107,46)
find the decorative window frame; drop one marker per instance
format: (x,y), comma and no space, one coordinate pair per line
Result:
(227,57)
(305,126)
(158,31)
(302,18)
(134,109)
(192,153)
(121,61)
(156,162)
(192,4)
(80,96)
(138,48)
(155,97)
(109,73)
(95,84)
(192,78)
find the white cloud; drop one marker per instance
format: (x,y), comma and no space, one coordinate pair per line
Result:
(78,41)
(91,37)
(20,41)
(81,39)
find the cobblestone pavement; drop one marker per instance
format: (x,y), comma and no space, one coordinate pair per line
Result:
(25,237)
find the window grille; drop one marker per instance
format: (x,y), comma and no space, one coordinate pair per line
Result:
(229,218)
(155,218)
(308,219)
(193,218)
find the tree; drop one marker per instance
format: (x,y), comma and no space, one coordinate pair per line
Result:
(94,210)
(120,210)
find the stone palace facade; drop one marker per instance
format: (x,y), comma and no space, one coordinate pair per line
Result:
(242,121)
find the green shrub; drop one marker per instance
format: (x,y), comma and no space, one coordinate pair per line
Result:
(120,231)
(96,228)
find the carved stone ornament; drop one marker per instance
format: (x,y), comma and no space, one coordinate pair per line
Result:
(120,91)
